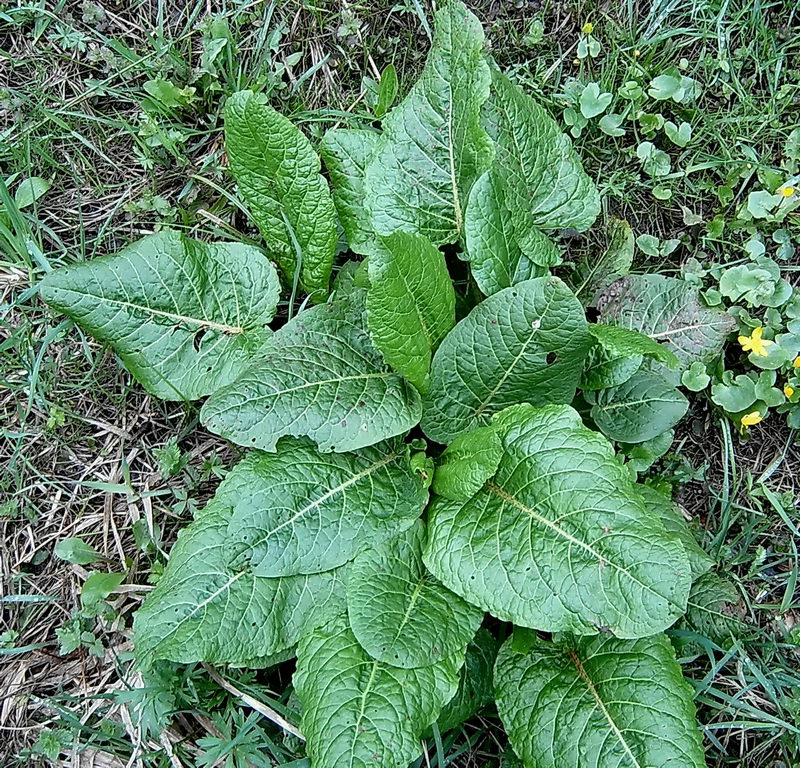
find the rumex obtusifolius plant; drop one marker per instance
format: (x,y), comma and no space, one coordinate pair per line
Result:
(419,458)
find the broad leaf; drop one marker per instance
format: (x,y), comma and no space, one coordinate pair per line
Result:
(361,712)
(667,310)
(400,614)
(320,376)
(544,181)
(476,689)
(605,368)
(467,463)
(712,612)
(644,406)
(185,317)
(496,258)
(410,303)
(597,703)
(433,147)
(592,274)
(278,173)
(560,539)
(624,341)
(346,153)
(524,344)
(300,511)
(210,606)
(674,523)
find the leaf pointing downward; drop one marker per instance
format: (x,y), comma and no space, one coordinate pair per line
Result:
(185,317)
(597,701)
(433,147)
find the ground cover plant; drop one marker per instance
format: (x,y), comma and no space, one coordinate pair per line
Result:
(443,504)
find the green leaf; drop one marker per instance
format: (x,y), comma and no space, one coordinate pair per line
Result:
(695,378)
(30,190)
(185,317)
(433,147)
(734,394)
(387,92)
(361,712)
(75,550)
(711,610)
(641,456)
(278,173)
(592,275)
(411,304)
(300,511)
(644,406)
(476,688)
(98,586)
(605,368)
(667,310)
(610,124)
(399,613)
(545,183)
(319,376)
(679,135)
(626,341)
(655,162)
(467,463)
(597,701)
(210,606)
(560,539)
(593,101)
(346,153)
(524,344)
(496,258)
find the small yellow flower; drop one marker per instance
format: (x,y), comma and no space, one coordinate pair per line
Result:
(576,62)
(788,191)
(587,28)
(788,390)
(796,362)
(755,344)
(751,419)
(637,53)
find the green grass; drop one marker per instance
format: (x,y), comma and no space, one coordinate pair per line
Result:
(79,444)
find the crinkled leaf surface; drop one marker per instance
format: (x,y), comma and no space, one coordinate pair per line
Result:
(626,341)
(699,560)
(358,711)
(185,317)
(476,688)
(210,606)
(524,344)
(301,511)
(544,180)
(346,152)
(644,406)
(433,147)
(467,463)
(599,702)
(411,304)
(560,539)
(608,368)
(278,173)
(321,376)
(400,614)
(593,274)
(496,258)
(667,310)
(712,611)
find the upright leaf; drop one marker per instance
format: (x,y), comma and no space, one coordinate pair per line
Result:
(433,147)
(411,304)
(597,703)
(278,173)
(400,614)
(667,310)
(545,184)
(496,258)
(605,368)
(639,409)
(321,376)
(361,712)
(625,341)
(594,274)
(560,539)
(524,344)
(346,153)
(300,511)
(185,317)
(210,605)
(467,463)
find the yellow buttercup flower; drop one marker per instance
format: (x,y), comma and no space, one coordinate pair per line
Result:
(755,344)
(788,191)
(796,362)
(788,390)
(587,28)
(751,419)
